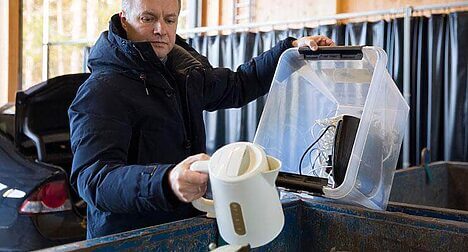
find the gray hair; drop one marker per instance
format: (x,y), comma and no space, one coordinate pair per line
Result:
(127,6)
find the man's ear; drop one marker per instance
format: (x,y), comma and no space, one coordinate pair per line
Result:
(123,20)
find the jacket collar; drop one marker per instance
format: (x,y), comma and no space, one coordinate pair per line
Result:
(181,61)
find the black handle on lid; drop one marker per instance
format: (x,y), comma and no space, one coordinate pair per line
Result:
(332,53)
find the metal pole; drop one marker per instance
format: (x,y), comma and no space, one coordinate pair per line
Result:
(406,79)
(83,42)
(45,40)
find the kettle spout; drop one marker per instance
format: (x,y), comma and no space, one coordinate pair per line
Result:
(274,166)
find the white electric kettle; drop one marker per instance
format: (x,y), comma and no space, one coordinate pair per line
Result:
(245,200)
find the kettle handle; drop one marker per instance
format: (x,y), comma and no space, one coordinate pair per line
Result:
(203,204)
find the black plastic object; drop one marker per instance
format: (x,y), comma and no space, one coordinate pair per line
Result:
(344,140)
(332,53)
(298,182)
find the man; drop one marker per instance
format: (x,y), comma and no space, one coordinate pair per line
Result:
(140,113)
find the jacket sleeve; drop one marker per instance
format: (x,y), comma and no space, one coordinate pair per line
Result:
(224,88)
(100,135)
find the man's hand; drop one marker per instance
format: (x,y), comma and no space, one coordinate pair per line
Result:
(186,184)
(313,42)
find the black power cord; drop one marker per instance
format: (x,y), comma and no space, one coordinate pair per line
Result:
(312,145)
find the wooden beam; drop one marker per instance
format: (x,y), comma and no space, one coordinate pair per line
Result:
(14,48)
(204,20)
(220,12)
(341,6)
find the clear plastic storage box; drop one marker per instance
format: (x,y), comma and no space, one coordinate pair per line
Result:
(308,94)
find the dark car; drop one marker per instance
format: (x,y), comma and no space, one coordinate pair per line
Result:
(38,208)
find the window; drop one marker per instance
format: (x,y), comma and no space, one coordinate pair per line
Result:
(57,32)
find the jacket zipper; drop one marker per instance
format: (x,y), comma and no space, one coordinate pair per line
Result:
(170,88)
(143,78)
(181,117)
(187,99)
(187,105)
(141,55)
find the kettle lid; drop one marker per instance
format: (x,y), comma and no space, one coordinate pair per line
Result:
(238,160)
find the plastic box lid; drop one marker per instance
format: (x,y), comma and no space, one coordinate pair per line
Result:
(310,93)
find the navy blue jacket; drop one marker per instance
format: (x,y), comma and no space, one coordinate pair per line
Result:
(135,117)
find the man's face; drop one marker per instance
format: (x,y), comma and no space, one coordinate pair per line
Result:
(154,21)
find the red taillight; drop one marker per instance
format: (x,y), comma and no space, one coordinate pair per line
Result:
(54,194)
(51,197)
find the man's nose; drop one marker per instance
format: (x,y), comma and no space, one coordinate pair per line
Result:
(159,28)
